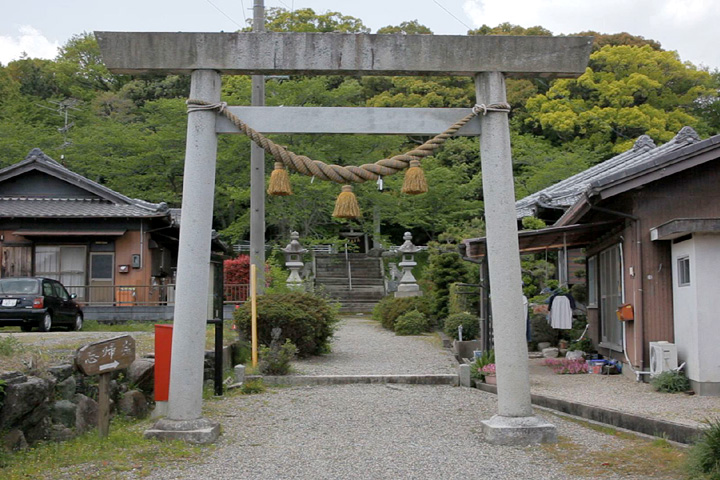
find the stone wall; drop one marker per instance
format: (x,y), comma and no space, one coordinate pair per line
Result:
(59,403)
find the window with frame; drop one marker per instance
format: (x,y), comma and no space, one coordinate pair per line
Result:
(592,283)
(683,269)
(65,263)
(610,272)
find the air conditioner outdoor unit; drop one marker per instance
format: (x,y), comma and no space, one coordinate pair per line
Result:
(663,357)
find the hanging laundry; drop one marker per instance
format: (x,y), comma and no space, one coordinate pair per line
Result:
(561,312)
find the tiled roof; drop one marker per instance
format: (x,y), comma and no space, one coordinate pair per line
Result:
(564,194)
(70,208)
(108,204)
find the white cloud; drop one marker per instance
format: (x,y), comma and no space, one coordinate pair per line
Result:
(687,26)
(30,41)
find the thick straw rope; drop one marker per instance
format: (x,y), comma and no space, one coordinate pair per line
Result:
(338,173)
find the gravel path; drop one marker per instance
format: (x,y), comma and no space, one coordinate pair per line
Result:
(387,432)
(362,346)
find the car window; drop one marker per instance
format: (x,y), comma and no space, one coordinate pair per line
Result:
(48,289)
(60,291)
(19,285)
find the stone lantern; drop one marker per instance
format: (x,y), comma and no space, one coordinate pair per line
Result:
(293,260)
(408,285)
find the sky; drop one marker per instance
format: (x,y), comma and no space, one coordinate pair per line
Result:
(690,27)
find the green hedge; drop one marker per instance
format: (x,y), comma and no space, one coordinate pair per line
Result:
(411,323)
(390,308)
(306,320)
(470,323)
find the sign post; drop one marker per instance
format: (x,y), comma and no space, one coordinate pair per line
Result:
(102,358)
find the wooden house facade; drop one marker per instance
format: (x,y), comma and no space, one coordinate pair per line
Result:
(108,249)
(649,221)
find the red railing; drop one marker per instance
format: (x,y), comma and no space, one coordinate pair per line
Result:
(151,295)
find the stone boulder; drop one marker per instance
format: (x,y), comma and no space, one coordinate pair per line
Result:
(61,372)
(23,395)
(61,433)
(141,373)
(14,440)
(133,404)
(66,389)
(63,412)
(86,415)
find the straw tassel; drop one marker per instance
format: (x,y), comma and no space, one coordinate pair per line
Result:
(279,181)
(415,182)
(346,205)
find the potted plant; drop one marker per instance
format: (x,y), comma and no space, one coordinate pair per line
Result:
(488,372)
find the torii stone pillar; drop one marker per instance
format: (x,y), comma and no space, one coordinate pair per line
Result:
(348,54)
(515,423)
(184,421)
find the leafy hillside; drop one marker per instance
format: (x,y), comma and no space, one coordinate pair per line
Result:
(129,133)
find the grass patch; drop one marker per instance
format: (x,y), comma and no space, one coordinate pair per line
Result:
(89,457)
(95,326)
(634,457)
(10,346)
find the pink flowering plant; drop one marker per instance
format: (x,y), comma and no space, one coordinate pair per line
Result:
(566,366)
(488,370)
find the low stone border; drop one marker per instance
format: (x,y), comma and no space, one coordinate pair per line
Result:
(672,431)
(296,380)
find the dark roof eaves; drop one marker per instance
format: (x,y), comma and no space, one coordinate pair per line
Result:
(47,165)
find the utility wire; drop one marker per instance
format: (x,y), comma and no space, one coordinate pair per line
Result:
(451,14)
(228,16)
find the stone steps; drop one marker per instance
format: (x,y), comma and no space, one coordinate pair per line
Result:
(368,284)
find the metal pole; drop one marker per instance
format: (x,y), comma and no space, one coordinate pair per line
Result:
(257,168)
(253,315)
(218,354)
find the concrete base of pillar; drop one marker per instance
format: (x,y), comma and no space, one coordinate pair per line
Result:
(160,410)
(519,431)
(199,431)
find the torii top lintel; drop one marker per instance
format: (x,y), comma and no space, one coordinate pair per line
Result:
(342,54)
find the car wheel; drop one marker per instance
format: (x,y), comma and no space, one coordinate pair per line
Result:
(46,323)
(25,328)
(77,326)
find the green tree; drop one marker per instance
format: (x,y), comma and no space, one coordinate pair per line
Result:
(625,92)
(408,28)
(306,20)
(445,268)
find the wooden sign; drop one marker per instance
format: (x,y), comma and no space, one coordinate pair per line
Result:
(106,355)
(102,358)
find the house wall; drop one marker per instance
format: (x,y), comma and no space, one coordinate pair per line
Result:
(648,265)
(690,194)
(685,309)
(696,305)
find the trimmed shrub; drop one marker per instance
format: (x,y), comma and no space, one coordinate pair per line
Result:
(469,322)
(671,381)
(306,320)
(411,323)
(389,309)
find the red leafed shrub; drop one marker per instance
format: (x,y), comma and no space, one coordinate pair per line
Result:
(237,270)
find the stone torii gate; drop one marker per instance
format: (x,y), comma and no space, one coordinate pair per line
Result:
(205,56)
